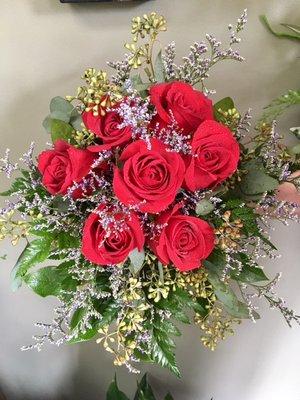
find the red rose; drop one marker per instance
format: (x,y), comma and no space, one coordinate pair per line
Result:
(215,156)
(185,241)
(149,179)
(111,245)
(63,166)
(188,106)
(106,128)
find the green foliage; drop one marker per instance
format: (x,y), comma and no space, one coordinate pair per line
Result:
(51,281)
(223,105)
(108,310)
(256,181)
(136,261)
(63,119)
(114,393)
(228,298)
(60,130)
(279,106)
(162,347)
(295,35)
(34,253)
(159,71)
(204,207)
(144,391)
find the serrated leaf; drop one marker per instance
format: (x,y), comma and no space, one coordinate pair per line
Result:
(162,352)
(60,130)
(159,71)
(114,393)
(136,261)
(204,207)
(34,253)
(257,181)
(51,281)
(108,310)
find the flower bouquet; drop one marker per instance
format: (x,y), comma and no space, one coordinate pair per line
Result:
(151,206)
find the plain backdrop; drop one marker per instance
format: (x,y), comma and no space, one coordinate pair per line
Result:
(45,47)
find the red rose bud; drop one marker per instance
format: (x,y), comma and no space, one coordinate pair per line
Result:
(215,156)
(188,106)
(184,241)
(149,179)
(111,245)
(106,127)
(64,165)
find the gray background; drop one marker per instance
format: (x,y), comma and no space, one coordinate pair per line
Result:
(45,46)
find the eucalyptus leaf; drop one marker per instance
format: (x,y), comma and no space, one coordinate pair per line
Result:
(257,181)
(60,130)
(159,71)
(59,104)
(228,298)
(295,149)
(76,120)
(136,261)
(296,131)
(204,207)
(47,123)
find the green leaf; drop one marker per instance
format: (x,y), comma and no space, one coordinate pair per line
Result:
(169,397)
(144,390)
(60,130)
(228,298)
(108,310)
(51,281)
(296,131)
(34,253)
(66,240)
(114,392)
(295,149)
(162,351)
(61,109)
(223,105)
(47,123)
(159,71)
(76,120)
(204,207)
(285,35)
(136,261)
(257,181)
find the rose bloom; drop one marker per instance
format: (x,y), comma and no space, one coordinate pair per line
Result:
(106,128)
(64,165)
(184,241)
(215,156)
(103,248)
(188,106)
(148,179)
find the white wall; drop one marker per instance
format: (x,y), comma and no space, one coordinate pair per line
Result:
(45,46)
